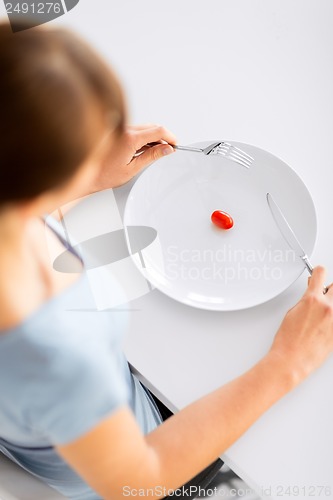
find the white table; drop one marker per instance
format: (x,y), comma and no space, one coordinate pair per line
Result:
(257,72)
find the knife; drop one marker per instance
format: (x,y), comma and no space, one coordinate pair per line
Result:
(288,234)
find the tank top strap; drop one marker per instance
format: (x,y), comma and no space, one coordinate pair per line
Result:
(62,236)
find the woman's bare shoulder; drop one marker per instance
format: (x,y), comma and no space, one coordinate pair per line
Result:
(27,282)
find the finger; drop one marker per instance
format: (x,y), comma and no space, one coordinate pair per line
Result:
(149,156)
(141,150)
(154,134)
(316,283)
(142,126)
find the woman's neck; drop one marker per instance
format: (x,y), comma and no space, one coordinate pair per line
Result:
(18,238)
(13,233)
(22,277)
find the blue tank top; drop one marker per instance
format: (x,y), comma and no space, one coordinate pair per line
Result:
(62,371)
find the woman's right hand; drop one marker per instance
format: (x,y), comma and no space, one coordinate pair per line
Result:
(169,455)
(305,337)
(121,163)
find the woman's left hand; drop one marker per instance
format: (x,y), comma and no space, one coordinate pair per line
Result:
(131,154)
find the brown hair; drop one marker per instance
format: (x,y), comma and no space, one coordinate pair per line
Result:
(55,96)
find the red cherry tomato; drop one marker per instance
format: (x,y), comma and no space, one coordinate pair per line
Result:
(222,219)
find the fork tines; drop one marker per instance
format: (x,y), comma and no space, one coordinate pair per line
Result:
(233,153)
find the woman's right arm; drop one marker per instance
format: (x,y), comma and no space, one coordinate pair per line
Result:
(116,455)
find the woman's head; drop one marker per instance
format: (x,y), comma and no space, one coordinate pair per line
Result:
(57,100)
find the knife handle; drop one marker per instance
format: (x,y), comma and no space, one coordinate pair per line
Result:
(306,261)
(309,267)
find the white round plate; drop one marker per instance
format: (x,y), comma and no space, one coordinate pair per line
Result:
(198,264)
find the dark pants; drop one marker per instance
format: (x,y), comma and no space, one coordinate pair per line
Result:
(201,480)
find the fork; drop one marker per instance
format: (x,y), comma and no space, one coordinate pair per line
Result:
(218,148)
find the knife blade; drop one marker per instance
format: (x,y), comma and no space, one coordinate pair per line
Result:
(289,235)
(287,232)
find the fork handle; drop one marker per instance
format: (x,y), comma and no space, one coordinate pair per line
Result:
(188,148)
(176,146)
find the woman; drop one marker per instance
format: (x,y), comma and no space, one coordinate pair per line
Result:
(70,410)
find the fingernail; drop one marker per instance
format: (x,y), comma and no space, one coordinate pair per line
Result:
(167,151)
